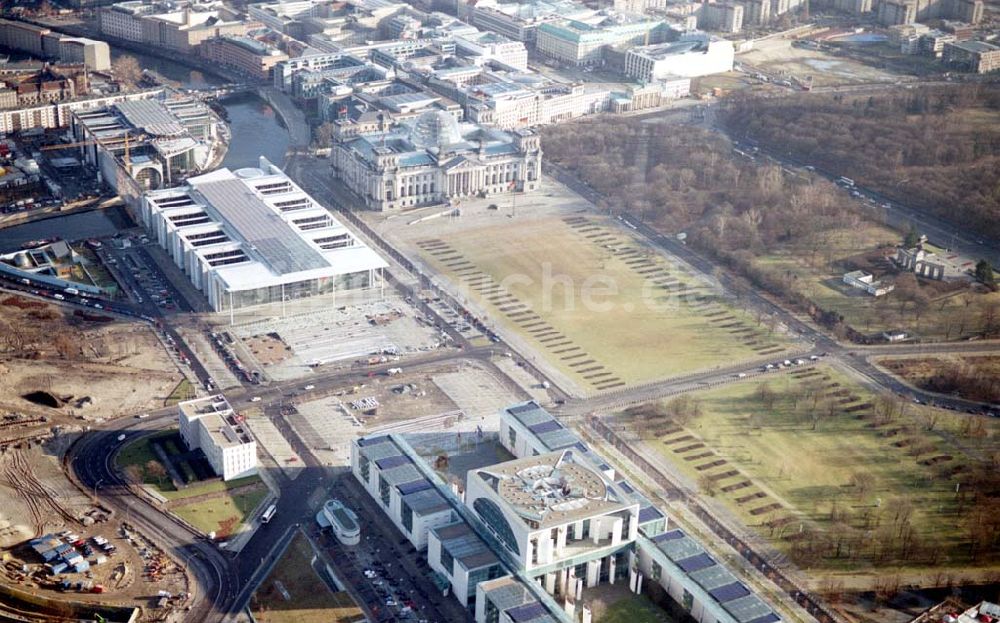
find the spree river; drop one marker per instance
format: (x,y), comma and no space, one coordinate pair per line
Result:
(255,129)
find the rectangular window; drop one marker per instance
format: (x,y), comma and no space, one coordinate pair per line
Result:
(656,570)
(364,466)
(447,561)
(512,437)
(383,491)
(407,518)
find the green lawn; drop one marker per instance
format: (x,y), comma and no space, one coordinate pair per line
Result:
(634,609)
(222,513)
(183,391)
(310,599)
(140,453)
(795,467)
(630,313)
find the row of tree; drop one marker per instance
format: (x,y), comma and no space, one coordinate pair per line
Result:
(937,149)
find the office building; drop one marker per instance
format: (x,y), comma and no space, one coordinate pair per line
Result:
(432,159)
(251,58)
(211,425)
(693,55)
(520,20)
(253,237)
(892,12)
(975,56)
(41,42)
(406,496)
(757,12)
(155,141)
(969,11)
(528,538)
(581,43)
(721,16)
(59,115)
(166,26)
(489,46)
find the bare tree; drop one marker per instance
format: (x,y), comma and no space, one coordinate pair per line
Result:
(127,71)
(863,483)
(134,473)
(156,470)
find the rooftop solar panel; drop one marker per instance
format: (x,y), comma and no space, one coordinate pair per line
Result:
(729,592)
(545,427)
(669,536)
(694,563)
(392,461)
(649,513)
(397,475)
(527,612)
(270,238)
(747,609)
(559,439)
(412,487)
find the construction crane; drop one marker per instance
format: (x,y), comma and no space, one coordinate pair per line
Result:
(91,141)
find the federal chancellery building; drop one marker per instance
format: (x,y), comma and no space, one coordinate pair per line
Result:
(526,538)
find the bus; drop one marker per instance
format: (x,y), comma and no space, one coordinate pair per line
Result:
(846,181)
(269,513)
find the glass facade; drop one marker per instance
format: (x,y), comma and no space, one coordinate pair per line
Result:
(297,290)
(407,513)
(364,466)
(481,575)
(493,517)
(383,491)
(448,562)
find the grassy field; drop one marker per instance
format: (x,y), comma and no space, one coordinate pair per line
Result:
(216,505)
(604,309)
(222,513)
(836,477)
(817,267)
(183,391)
(633,609)
(309,599)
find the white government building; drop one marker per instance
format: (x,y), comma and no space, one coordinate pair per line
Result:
(253,237)
(525,538)
(695,54)
(434,158)
(209,424)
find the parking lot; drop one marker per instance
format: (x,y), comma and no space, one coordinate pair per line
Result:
(140,277)
(384,570)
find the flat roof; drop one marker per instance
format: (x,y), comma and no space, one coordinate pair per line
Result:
(551,489)
(150,115)
(465,546)
(217,417)
(270,237)
(426,502)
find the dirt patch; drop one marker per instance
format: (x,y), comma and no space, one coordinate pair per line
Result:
(268,348)
(52,360)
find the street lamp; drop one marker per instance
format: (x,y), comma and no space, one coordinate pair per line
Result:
(97,484)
